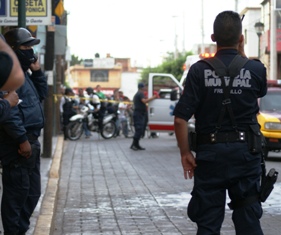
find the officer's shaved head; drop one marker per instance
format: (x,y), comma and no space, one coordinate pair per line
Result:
(227,29)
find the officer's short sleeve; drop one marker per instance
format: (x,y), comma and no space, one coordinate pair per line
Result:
(6,64)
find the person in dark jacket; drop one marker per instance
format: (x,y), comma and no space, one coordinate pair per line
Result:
(225,109)
(69,107)
(20,148)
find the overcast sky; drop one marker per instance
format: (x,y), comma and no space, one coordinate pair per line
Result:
(142,30)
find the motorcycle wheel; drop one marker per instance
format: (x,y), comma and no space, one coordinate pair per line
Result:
(74,130)
(108,130)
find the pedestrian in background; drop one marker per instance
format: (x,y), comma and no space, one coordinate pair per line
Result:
(62,101)
(19,144)
(94,100)
(81,103)
(113,107)
(99,93)
(103,103)
(139,115)
(123,108)
(121,95)
(69,107)
(225,158)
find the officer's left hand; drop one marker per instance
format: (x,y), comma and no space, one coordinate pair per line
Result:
(188,164)
(25,149)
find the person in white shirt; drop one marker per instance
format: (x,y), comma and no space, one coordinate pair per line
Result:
(123,115)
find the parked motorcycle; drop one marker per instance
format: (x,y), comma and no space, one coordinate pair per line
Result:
(88,117)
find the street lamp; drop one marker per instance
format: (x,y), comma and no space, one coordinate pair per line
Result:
(259,27)
(176,39)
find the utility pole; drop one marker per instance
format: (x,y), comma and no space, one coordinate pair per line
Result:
(236,5)
(48,103)
(183,37)
(58,71)
(21,14)
(176,39)
(202,27)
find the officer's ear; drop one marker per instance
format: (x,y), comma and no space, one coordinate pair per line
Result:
(241,39)
(213,38)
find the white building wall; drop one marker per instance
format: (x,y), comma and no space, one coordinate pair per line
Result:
(129,83)
(252,16)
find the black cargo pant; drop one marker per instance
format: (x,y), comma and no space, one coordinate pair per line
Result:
(21,192)
(222,168)
(139,123)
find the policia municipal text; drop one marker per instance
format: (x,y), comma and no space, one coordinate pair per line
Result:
(227,140)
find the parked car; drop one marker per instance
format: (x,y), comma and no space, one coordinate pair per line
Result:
(269,119)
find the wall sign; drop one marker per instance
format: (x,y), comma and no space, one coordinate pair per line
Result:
(38,12)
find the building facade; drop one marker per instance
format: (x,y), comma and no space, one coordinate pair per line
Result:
(106,72)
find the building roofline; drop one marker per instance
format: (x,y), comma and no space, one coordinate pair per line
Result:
(248,9)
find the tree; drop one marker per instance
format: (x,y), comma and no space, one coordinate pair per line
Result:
(169,65)
(75,60)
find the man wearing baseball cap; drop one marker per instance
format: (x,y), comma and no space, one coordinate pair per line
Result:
(139,115)
(20,148)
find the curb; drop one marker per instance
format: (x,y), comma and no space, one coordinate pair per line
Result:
(44,222)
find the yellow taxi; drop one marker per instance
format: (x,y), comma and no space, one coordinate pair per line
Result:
(269,116)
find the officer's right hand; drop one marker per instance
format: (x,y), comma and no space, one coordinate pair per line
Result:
(12,97)
(25,149)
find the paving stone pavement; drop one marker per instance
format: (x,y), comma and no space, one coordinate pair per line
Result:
(105,188)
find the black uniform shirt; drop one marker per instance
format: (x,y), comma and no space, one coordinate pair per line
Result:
(138,104)
(203,94)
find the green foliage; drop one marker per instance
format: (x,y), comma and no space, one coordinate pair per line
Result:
(169,65)
(66,84)
(75,60)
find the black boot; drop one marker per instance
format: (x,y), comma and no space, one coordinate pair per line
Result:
(134,145)
(138,146)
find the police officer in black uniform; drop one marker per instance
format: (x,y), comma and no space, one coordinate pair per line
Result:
(225,160)
(139,115)
(19,144)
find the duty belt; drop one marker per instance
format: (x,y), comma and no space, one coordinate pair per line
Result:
(222,137)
